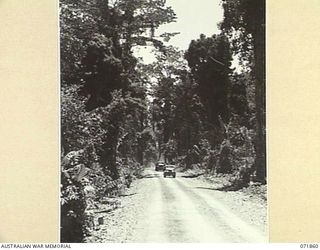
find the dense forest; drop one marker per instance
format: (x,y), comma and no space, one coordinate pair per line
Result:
(190,107)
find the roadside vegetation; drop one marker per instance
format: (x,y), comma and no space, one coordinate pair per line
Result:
(118,115)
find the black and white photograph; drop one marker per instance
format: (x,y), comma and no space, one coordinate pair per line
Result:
(163,121)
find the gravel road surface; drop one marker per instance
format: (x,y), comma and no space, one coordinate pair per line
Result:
(157,209)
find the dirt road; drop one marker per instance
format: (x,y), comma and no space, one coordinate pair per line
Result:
(158,209)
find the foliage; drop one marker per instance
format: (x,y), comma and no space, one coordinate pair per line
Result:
(243,19)
(80,129)
(176,108)
(210,59)
(78,22)
(72,198)
(244,23)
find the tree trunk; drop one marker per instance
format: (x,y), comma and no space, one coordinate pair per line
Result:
(260,92)
(109,154)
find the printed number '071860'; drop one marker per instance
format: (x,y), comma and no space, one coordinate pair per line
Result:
(308,245)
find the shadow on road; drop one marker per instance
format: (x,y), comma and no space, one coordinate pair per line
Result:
(192,176)
(150,176)
(125,195)
(228,188)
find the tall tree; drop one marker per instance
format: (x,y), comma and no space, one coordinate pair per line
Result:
(164,74)
(210,59)
(244,22)
(177,113)
(98,38)
(78,22)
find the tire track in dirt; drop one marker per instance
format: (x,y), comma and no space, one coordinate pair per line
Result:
(190,225)
(175,229)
